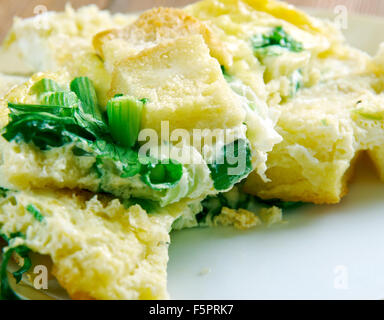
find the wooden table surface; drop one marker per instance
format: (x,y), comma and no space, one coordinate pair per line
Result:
(26,8)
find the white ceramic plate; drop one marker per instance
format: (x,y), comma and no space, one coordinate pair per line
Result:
(323,252)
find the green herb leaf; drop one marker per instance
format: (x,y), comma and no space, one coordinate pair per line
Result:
(235,157)
(35,212)
(126,161)
(124,115)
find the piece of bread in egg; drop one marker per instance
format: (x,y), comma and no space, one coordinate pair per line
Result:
(274,77)
(60,41)
(150,29)
(184,85)
(134,54)
(99,248)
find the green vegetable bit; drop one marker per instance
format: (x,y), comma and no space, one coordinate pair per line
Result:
(232,165)
(124,115)
(44,86)
(163,176)
(277,38)
(59,98)
(35,212)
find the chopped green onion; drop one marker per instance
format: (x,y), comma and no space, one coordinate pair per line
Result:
(44,86)
(85,91)
(59,98)
(124,115)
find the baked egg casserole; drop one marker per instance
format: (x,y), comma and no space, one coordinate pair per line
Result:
(117,129)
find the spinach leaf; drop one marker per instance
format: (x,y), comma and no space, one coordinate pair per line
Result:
(277,38)
(232,165)
(126,161)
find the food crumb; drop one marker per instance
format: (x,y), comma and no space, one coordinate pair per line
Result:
(271,216)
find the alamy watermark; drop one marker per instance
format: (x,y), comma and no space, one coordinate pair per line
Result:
(341,16)
(194,147)
(341,277)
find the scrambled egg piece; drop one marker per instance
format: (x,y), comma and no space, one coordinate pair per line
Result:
(51,40)
(324,129)
(324,53)
(60,41)
(99,248)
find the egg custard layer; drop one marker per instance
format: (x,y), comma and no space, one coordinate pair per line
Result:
(281,88)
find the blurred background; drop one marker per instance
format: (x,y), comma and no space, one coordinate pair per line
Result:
(27,8)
